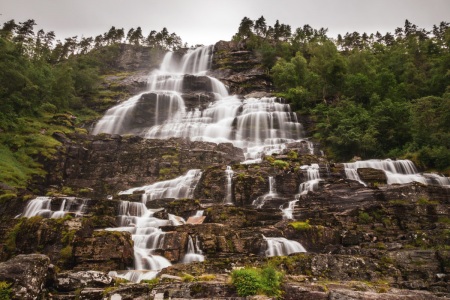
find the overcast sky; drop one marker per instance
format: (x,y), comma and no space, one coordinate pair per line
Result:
(208,21)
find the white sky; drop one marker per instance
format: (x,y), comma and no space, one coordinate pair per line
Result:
(208,21)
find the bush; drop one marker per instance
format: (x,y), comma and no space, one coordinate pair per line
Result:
(5,290)
(252,281)
(280,164)
(246,281)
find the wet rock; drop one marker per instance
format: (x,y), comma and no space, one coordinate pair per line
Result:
(130,292)
(26,273)
(111,163)
(71,281)
(372,176)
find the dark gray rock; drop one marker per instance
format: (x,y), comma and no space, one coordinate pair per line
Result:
(27,274)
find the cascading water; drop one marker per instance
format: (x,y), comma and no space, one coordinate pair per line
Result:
(258,125)
(137,219)
(259,202)
(180,187)
(229,196)
(288,212)
(313,178)
(193,251)
(42,206)
(278,246)
(397,171)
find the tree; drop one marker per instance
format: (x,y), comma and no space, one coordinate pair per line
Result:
(260,27)
(245,29)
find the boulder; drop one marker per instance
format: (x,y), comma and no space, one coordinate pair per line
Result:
(372,176)
(26,274)
(71,281)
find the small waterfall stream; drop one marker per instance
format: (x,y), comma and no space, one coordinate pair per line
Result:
(194,253)
(278,246)
(313,178)
(259,202)
(229,195)
(42,206)
(397,172)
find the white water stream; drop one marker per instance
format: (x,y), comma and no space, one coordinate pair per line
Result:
(397,172)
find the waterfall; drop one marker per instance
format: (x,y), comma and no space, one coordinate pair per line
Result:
(278,246)
(313,178)
(229,197)
(289,210)
(144,227)
(137,219)
(180,187)
(259,202)
(193,251)
(42,206)
(397,171)
(257,125)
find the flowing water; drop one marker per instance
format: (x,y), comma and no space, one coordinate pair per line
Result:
(278,246)
(260,201)
(258,125)
(194,253)
(229,195)
(42,206)
(313,178)
(397,171)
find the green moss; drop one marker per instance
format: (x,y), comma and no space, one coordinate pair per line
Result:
(364,218)
(399,202)
(300,226)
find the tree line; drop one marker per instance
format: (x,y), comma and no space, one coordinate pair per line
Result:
(43,44)
(370,95)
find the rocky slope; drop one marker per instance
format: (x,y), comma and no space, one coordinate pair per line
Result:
(363,242)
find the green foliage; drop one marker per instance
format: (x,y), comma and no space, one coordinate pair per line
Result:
(5,291)
(300,226)
(370,95)
(281,164)
(251,281)
(246,281)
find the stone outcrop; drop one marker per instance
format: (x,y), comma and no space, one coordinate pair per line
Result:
(372,176)
(111,163)
(240,69)
(27,275)
(103,251)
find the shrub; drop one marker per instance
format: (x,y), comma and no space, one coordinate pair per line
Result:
(252,281)
(5,290)
(246,281)
(280,164)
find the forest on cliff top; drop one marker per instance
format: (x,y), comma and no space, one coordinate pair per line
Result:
(368,95)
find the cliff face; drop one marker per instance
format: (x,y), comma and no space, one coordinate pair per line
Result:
(363,242)
(240,69)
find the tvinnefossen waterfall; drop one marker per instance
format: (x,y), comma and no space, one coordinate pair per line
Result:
(258,125)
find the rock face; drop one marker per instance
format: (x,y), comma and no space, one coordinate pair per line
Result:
(372,176)
(240,69)
(103,251)
(110,163)
(26,273)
